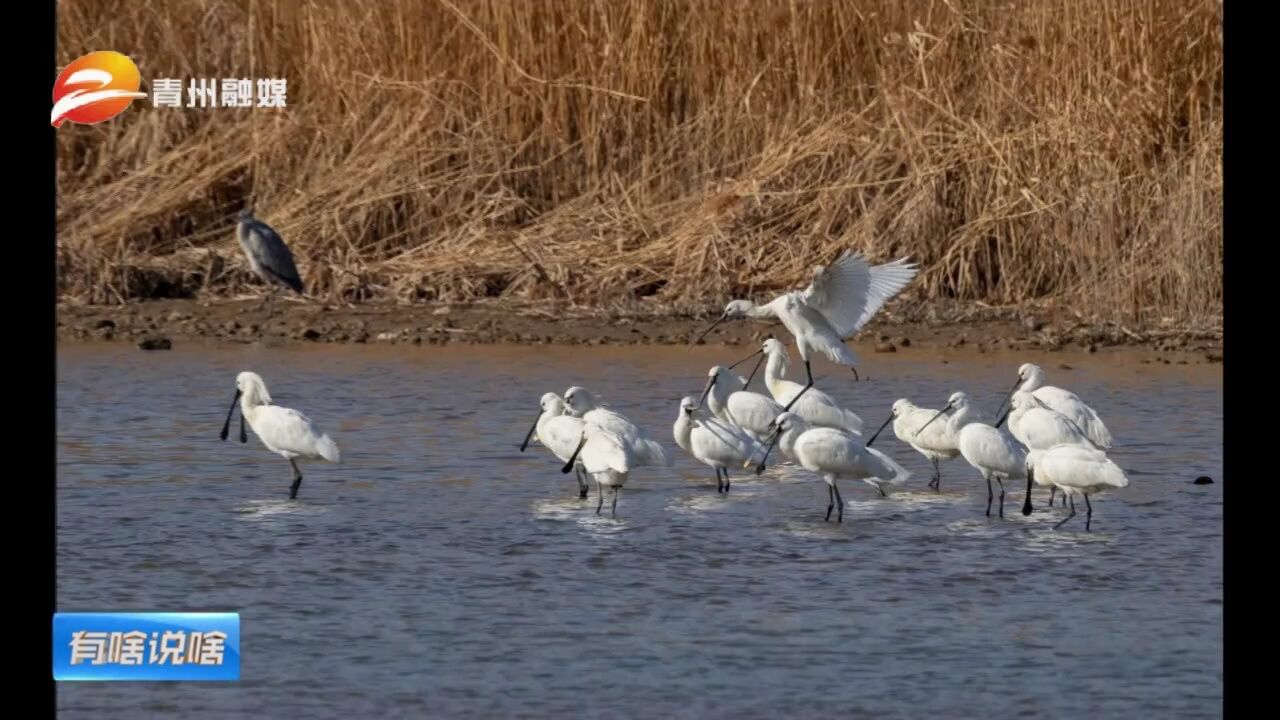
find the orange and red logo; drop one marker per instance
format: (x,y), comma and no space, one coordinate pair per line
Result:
(94,88)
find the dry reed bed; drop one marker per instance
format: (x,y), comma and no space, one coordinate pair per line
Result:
(663,153)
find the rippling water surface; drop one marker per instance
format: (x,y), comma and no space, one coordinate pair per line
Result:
(441,572)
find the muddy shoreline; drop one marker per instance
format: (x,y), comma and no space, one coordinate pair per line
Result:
(161,323)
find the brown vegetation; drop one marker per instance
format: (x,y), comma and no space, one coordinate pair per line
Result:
(665,154)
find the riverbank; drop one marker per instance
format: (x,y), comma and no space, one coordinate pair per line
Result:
(909,328)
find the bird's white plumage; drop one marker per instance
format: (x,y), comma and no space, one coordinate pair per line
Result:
(643,450)
(815,407)
(1065,403)
(840,299)
(560,433)
(750,411)
(1040,428)
(934,442)
(993,452)
(606,455)
(283,431)
(1076,469)
(289,433)
(835,454)
(812,331)
(712,441)
(848,292)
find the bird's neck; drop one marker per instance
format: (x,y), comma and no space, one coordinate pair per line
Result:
(959,418)
(760,312)
(250,404)
(787,442)
(543,419)
(774,369)
(1015,417)
(717,399)
(1033,383)
(683,429)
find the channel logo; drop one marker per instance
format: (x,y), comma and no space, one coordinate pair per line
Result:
(94,88)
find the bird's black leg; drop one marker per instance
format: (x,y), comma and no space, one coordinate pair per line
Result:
(1088,518)
(809,376)
(1064,499)
(1052,489)
(726,481)
(936,483)
(1001,495)
(831,502)
(839,503)
(990,495)
(582,483)
(881,489)
(616,488)
(600,492)
(297,480)
(1069,516)
(719,482)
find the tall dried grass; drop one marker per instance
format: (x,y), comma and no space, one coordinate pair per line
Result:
(666,152)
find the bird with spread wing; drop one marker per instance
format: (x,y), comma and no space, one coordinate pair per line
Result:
(839,301)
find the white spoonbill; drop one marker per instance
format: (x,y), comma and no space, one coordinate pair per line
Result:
(834,454)
(991,451)
(580,402)
(559,433)
(288,433)
(933,441)
(1031,379)
(1038,427)
(1075,470)
(750,411)
(607,456)
(816,407)
(713,441)
(841,299)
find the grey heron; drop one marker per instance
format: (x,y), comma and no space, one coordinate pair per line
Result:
(268,256)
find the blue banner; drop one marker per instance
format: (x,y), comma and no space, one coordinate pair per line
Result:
(146,646)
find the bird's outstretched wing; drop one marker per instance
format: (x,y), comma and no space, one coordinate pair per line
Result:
(272,254)
(849,291)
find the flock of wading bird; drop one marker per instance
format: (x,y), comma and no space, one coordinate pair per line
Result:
(1053,439)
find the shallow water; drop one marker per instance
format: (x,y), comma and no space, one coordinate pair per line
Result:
(441,572)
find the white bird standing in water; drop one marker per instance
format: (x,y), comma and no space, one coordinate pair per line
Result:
(815,407)
(1038,427)
(607,456)
(559,433)
(1031,379)
(1075,470)
(834,454)
(932,442)
(288,433)
(991,451)
(751,411)
(713,442)
(643,451)
(839,301)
